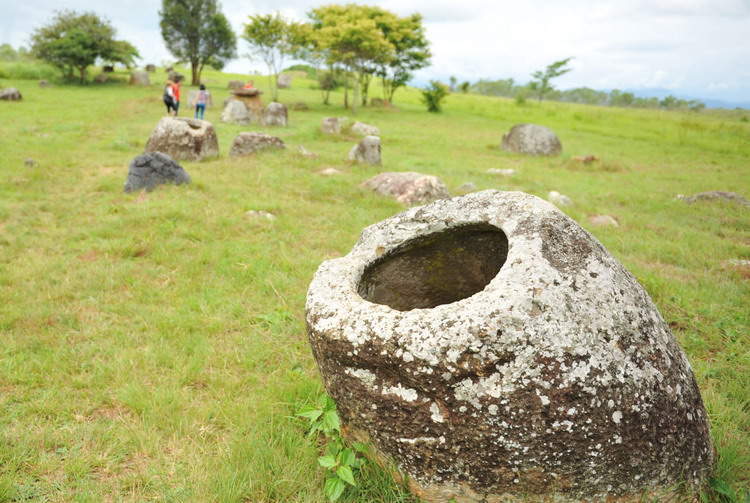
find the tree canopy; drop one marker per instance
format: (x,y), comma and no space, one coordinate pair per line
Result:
(74,41)
(195,31)
(541,83)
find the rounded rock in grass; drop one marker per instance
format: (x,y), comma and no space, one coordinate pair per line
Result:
(140,78)
(494,349)
(531,139)
(367,150)
(184,139)
(275,114)
(10,94)
(251,143)
(333,125)
(408,187)
(154,168)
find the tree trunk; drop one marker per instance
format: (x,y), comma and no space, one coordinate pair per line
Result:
(82,71)
(367,78)
(195,73)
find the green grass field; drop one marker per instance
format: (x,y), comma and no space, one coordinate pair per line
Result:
(153,344)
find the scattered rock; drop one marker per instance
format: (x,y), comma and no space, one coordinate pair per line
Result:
(306,153)
(714,195)
(531,139)
(367,150)
(184,139)
(585,159)
(235,112)
(504,172)
(235,84)
(265,215)
(250,143)
(559,199)
(408,187)
(603,221)
(150,68)
(275,114)
(30,163)
(140,79)
(362,129)
(330,172)
(736,262)
(333,125)
(284,81)
(467,187)
(101,78)
(10,94)
(154,168)
(108,69)
(44,83)
(495,349)
(300,106)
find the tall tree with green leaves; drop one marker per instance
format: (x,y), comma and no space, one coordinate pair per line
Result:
(196,32)
(541,83)
(411,52)
(271,38)
(73,42)
(350,39)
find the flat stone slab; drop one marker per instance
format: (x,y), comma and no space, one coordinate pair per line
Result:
(251,143)
(494,350)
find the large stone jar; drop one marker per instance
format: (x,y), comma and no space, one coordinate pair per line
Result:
(496,351)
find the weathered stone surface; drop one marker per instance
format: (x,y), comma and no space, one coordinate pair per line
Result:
(275,114)
(503,172)
(330,172)
(531,139)
(367,150)
(714,195)
(250,143)
(30,163)
(495,350)
(10,94)
(154,168)
(260,214)
(44,83)
(467,187)
(604,220)
(284,81)
(140,79)
(362,129)
(235,112)
(408,187)
(150,68)
(333,125)
(235,84)
(184,139)
(559,199)
(306,153)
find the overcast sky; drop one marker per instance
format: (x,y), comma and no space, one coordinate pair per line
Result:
(697,48)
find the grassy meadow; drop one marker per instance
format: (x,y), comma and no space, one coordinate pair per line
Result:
(153,345)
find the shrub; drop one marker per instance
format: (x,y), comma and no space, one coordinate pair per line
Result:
(27,70)
(434,95)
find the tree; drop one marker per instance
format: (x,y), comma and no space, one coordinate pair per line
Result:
(434,95)
(271,38)
(348,38)
(411,52)
(541,84)
(465,87)
(75,41)
(196,32)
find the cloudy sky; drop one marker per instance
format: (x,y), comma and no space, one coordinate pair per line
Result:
(696,48)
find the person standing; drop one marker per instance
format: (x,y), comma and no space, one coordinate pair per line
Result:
(176,96)
(201,100)
(169,97)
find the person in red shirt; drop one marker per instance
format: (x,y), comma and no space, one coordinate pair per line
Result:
(176,96)
(250,85)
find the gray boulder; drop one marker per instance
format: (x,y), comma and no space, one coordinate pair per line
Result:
(531,139)
(494,350)
(10,94)
(362,129)
(714,195)
(284,81)
(236,112)
(235,84)
(275,114)
(408,187)
(154,168)
(184,139)
(250,143)
(333,125)
(140,78)
(44,83)
(367,151)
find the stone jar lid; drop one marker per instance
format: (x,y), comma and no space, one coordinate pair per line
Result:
(491,346)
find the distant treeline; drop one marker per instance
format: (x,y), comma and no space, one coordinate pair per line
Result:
(510,89)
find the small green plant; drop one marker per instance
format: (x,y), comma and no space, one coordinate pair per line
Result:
(341,461)
(521,99)
(434,95)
